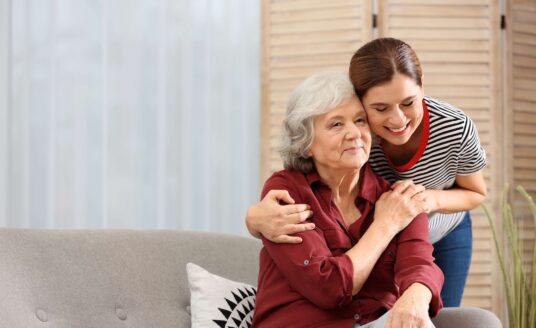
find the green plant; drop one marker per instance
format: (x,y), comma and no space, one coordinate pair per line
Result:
(519,283)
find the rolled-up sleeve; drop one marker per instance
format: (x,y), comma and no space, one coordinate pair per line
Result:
(415,263)
(310,268)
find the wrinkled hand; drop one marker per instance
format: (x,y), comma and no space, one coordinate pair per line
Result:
(411,309)
(399,206)
(278,222)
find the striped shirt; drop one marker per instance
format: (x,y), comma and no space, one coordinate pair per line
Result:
(450,147)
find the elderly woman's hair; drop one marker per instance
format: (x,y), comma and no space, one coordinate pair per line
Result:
(315,96)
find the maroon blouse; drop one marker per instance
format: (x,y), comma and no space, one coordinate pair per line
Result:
(310,284)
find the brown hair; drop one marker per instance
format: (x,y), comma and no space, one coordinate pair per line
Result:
(379,60)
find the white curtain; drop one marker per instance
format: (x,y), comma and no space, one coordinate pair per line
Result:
(129,113)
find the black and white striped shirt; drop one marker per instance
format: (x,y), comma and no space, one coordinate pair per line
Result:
(450,147)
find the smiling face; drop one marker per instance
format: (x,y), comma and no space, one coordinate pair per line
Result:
(394,109)
(341,138)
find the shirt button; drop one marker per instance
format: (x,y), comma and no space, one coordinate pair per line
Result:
(391,254)
(306,262)
(357,316)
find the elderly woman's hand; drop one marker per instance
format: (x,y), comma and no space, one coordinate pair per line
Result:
(396,208)
(278,222)
(411,309)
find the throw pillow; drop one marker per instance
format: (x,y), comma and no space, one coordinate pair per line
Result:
(219,302)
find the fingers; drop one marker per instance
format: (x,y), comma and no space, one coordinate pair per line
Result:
(295,228)
(285,236)
(415,193)
(298,217)
(285,239)
(407,188)
(280,195)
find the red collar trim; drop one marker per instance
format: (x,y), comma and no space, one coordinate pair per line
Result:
(422,146)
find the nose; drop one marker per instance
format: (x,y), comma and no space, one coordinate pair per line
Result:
(397,117)
(353,132)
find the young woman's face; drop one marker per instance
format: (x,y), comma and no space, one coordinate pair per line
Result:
(394,109)
(342,137)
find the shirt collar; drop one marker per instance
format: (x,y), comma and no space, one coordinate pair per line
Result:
(369,191)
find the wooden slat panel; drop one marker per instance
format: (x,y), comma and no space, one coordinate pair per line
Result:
(314,49)
(457,45)
(453,80)
(299,38)
(439,22)
(316,26)
(439,3)
(312,38)
(521,38)
(450,34)
(305,5)
(450,45)
(314,15)
(434,11)
(524,83)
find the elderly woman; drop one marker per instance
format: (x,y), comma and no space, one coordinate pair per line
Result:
(368,262)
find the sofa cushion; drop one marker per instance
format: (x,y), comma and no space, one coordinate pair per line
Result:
(219,302)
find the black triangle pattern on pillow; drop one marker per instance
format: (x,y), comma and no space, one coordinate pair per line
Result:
(240,311)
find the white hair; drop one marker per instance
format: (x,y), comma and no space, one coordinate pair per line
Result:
(317,95)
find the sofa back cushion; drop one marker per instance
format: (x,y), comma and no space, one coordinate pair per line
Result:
(111,278)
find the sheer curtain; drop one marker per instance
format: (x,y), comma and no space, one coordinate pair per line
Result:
(129,114)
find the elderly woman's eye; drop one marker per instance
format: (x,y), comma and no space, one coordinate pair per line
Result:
(336,124)
(360,120)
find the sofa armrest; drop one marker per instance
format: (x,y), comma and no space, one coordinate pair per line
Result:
(466,317)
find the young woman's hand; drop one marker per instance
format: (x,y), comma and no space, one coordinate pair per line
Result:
(278,222)
(411,309)
(395,209)
(430,200)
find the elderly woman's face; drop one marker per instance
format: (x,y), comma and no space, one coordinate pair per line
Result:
(341,137)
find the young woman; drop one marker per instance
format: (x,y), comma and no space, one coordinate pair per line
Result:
(418,138)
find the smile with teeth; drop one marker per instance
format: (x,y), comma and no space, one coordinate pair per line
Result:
(399,129)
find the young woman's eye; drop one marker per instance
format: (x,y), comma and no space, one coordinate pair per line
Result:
(409,103)
(380,109)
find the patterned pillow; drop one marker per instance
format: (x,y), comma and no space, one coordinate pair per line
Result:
(219,302)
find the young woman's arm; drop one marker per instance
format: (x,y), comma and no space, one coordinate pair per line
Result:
(278,223)
(468,193)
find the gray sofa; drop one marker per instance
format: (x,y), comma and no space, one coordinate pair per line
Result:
(127,278)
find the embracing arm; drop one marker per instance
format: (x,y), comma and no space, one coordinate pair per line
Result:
(278,223)
(468,193)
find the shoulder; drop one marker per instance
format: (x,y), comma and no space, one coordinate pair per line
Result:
(375,183)
(448,119)
(289,180)
(440,108)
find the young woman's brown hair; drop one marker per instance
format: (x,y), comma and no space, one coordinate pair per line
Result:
(377,62)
